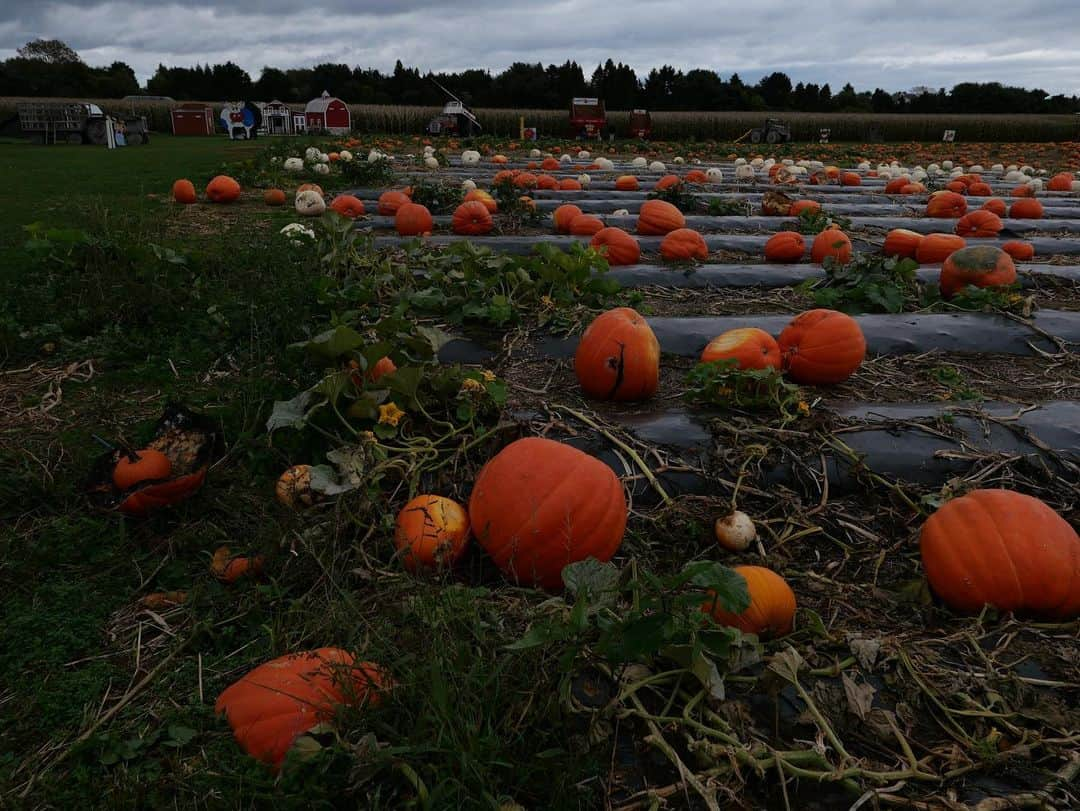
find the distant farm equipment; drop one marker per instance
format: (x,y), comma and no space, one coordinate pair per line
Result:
(588,119)
(773,132)
(78,122)
(640,124)
(455,119)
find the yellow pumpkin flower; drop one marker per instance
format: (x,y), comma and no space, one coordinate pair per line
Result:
(804,408)
(470,385)
(390,414)
(489,376)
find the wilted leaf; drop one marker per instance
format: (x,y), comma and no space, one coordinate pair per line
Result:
(860,697)
(865,651)
(290,413)
(704,668)
(434,336)
(325,481)
(787,664)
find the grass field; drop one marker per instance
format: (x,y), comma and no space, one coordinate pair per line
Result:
(121,301)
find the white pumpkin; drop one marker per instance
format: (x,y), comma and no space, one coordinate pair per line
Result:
(1074,186)
(976,169)
(294,164)
(429,150)
(324,158)
(997,168)
(468,186)
(679,160)
(657,166)
(933,169)
(321,169)
(744,173)
(534,153)
(1027,170)
(583,155)
(298,233)
(757,163)
(863,166)
(639,163)
(735,532)
(1015,177)
(584,180)
(620,212)
(470,157)
(565,158)
(309,203)
(431,162)
(311,154)
(275,159)
(374,155)
(787,162)
(604,164)
(1036,184)
(1012,167)
(345,156)
(947,165)
(714,174)
(740,161)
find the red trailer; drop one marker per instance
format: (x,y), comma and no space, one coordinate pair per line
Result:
(640,124)
(192,118)
(587,118)
(327,114)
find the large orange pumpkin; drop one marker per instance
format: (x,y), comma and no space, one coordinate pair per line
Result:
(431,532)
(549,164)
(618,357)
(945,205)
(563,216)
(1019,251)
(481,196)
(586,225)
(682,245)
(618,246)
(472,219)
(525,180)
(980,189)
(539,505)
(348,206)
(1060,182)
(749,347)
(1005,549)
(222,189)
(659,217)
(666,182)
(980,224)
(902,242)
(850,179)
(935,248)
(786,246)
(997,205)
(626,183)
(412,220)
(390,202)
(799,206)
(772,604)
(831,242)
(280,700)
(569,184)
(822,346)
(183,191)
(1026,209)
(546,182)
(980,266)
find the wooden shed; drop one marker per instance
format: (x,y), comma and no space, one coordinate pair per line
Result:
(192,118)
(277,118)
(329,114)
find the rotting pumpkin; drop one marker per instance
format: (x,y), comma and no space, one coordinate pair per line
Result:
(618,357)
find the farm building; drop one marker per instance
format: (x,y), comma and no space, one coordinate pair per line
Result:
(329,114)
(277,118)
(192,118)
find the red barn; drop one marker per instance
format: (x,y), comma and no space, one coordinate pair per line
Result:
(329,114)
(192,118)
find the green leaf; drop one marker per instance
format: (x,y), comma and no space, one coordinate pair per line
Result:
(641,636)
(290,413)
(694,660)
(178,735)
(325,480)
(727,586)
(599,581)
(541,633)
(331,345)
(435,337)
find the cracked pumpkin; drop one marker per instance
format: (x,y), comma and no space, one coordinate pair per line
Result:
(618,357)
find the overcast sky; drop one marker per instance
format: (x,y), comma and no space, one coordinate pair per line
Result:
(895,44)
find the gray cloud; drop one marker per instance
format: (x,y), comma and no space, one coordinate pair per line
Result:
(870,43)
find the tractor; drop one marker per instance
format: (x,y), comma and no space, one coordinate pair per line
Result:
(455,119)
(772,133)
(76,122)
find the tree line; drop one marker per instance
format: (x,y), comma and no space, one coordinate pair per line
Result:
(51,68)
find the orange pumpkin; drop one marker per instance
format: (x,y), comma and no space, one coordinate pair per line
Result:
(481,196)
(586,225)
(1005,549)
(549,164)
(293,487)
(750,347)
(546,182)
(935,248)
(280,700)
(137,467)
(431,532)
(799,206)
(383,366)
(618,246)
(980,189)
(850,179)
(894,185)
(956,186)
(979,224)
(822,347)
(1026,209)
(412,220)
(183,191)
(666,182)
(831,242)
(472,219)
(390,202)
(525,180)
(348,206)
(504,176)
(683,245)
(539,505)
(1019,251)
(1023,190)
(696,176)
(912,188)
(981,266)
(274,197)
(1060,182)
(786,246)
(659,217)
(996,205)
(222,189)
(569,184)
(626,183)
(618,357)
(228,568)
(902,242)
(772,604)
(946,205)
(563,216)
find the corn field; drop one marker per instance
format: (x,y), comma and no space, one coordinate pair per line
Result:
(702,126)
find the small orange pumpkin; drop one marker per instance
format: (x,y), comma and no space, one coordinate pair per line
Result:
(431,532)
(935,248)
(481,196)
(659,217)
(1026,209)
(569,184)
(222,189)
(1060,182)
(546,182)
(563,216)
(980,189)
(626,183)
(902,242)
(696,176)
(472,219)
(618,246)
(946,205)
(831,242)
(786,246)
(750,347)
(772,604)
(183,191)
(822,347)
(549,164)
(383,366)
(850,179)
(229,568)
(586,225)
(799,206)
(980,266)
(137,467)
(348,206)
(618,357)
(293,487)
(274,197)
(666,182)
(683,245)
(997,205)
(980,224)
(525,180)
(1019,251)
(412,220)
(390,202)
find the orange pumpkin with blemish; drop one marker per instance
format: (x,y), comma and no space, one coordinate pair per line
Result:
(749,347)
(431,532)
(618,357)
(978,266)
(617,246)
(822,347)
(786,246)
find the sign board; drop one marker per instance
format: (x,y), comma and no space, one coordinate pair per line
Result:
(529,134)
(824,135)
(586,101)
(949,136)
